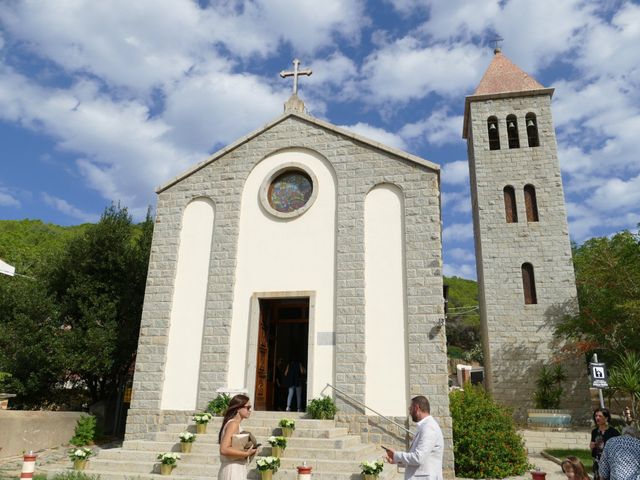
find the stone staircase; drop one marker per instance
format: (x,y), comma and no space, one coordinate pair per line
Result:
(331,451)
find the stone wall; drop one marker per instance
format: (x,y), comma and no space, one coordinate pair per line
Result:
(359,167)
(22,431)
(518,338)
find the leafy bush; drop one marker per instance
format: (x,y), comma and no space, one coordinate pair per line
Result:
(454,352)
(485,441)
(219,405)
(549,386)
(323,408)
(85,432)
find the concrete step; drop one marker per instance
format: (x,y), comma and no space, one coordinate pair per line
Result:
(272,422)
(210,456)
(321,442)
(192,464)
(328,432)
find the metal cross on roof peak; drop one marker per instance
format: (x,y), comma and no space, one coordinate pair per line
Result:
(295,74)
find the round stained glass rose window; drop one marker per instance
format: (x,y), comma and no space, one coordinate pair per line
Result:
(290,191)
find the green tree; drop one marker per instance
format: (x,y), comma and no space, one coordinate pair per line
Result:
(31,347)
(99,283)
(608,282)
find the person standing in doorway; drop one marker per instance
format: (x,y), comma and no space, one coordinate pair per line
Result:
(293,375)
(599,436)
(424,458)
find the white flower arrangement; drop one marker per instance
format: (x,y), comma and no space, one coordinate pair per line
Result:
(371,468)
(287,423)
(81,453)
(187,437)
(277,442)
(169,458)
(202,417)
(268,463)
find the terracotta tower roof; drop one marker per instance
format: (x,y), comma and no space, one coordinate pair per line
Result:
(504,76)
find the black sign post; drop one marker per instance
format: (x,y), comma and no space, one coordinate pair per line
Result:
(599,376)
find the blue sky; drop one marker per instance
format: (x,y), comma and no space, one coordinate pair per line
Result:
(104,101)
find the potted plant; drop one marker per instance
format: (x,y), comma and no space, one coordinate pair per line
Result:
(79,457)
(547,399)
(186,441)
(201,420)
(371,470)
(278,444)
(267,465)
(168,461)
(219,405)
(323,408)
(288,426)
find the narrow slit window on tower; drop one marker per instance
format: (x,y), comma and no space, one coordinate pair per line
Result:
(530,203)
(512,131)
(510,210)
(532,129)
(529,284)
(494,137)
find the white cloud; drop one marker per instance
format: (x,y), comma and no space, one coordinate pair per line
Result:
(406,70)
(131,44)
(124,150)
(456,173)
(212,108)
(461,254)
(457,232)
(439,129)
(377,134)
(68,209)
(7,199)
(616,195)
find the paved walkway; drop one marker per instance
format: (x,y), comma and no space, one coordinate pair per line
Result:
(10,467)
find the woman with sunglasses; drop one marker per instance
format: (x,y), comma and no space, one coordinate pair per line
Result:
(233,461)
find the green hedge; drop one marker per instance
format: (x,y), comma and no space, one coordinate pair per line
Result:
(485,441)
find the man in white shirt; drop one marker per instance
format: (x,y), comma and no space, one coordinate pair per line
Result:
(423,461)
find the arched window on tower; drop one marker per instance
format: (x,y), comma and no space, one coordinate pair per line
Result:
(532,129)
(530,203)
(529,284)
(512,131)
(494,137)
(510,210)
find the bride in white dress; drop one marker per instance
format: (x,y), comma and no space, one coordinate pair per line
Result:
(233,461)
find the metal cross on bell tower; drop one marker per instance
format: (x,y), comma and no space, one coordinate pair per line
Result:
(295,74)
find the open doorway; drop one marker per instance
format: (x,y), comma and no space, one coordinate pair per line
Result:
(283,338)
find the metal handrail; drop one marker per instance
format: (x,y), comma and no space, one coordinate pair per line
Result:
(369,408)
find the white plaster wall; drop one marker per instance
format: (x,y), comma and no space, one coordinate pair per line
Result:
(276,255)
(180,388)
(385,331)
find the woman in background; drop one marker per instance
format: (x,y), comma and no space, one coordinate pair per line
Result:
(233,461)
(599,436)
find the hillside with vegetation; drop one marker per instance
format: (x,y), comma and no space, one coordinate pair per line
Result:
(70,317)
(463,320)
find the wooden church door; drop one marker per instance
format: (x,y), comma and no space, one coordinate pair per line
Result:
(282,334)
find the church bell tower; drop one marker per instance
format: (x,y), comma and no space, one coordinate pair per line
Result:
(523,253)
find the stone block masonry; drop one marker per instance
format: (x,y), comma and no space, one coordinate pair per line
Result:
(518,337)
(359,166)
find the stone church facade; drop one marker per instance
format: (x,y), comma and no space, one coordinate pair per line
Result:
(366,268)
(303,240)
